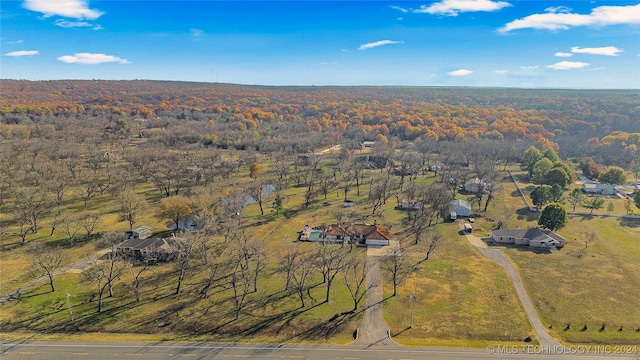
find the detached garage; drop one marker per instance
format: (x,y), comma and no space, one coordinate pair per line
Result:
(460,207)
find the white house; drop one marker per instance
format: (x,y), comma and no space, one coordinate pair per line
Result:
(358,233)
(476,185)
(533,237)
(410,204)
(460,207)
(602,189)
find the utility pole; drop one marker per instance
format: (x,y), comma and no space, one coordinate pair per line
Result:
(410,311)
(69,303)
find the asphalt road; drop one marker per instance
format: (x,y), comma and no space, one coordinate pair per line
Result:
(172,350)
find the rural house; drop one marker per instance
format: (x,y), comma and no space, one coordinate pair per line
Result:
(141,232)
(460,208)
(410,204)
(356,233)
(151,249)
(476,185)
(601,189)
(533,237)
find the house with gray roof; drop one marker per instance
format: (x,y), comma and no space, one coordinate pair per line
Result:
(533,237)
(460,207)
(151,249)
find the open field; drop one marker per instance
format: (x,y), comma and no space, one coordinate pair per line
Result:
(583,295)
(460,297)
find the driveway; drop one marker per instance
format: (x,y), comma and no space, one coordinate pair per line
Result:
(501,259)
(373,329)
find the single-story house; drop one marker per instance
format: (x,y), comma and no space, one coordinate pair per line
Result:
(533,237)
(476,185)
(410,204)
(151,249)
(358,233)
(141,232)
(602,189)
(460,207)
(368,144)
(361,234)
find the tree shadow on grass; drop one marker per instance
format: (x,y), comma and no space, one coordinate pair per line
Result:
(526,214)
(629,222)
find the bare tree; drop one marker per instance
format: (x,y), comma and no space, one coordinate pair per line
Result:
(257,190)
(137,268)
(302,276)
(588,239)
(330,261)
(104,273)
(132,205)
(288,260)
(397,266)
(23,221)
(215,265)
(71,226)
(89,222)
(355,275)
(432,241)
(241,285)
(31,203)
(88,189)
(45,261)
(185,253)
(381,190)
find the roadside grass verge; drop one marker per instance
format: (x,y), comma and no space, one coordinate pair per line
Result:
(458,294)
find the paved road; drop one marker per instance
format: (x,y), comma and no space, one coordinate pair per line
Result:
(174,350)
(373,329)
(501,259)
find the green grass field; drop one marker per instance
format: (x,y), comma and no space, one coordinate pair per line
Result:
(460,297)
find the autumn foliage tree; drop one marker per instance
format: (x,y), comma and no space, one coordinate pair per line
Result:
(174,208)
(613,175)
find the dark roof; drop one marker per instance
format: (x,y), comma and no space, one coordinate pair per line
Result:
(531,234)
(151,244)
(368,231)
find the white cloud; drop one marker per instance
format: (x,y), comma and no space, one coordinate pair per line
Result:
(71,24)
(558,9)
(23,53)
(605,50)
(401,9)
(567,65)
(16,42)
(532,67)
(453,7)
(196,33)
(500,72)
(460,72)
(76,9)
(91,59)
(378,43)
(599,16)
(563,54)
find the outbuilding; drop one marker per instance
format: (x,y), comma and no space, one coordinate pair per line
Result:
(460,207)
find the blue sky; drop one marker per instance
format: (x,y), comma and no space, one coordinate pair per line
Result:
(538,44)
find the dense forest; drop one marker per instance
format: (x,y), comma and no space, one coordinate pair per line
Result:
(576,123)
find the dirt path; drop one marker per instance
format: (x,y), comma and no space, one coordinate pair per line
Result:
(76,267)
(501,259)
